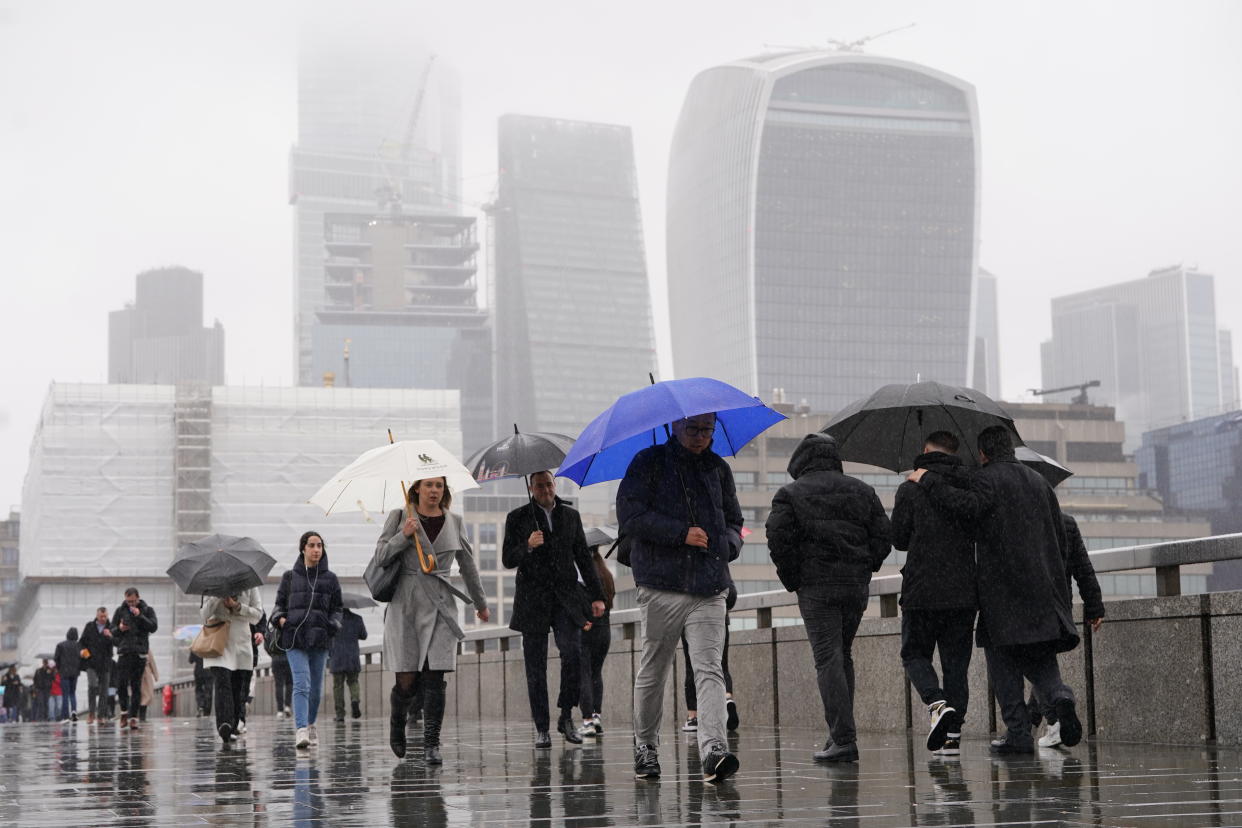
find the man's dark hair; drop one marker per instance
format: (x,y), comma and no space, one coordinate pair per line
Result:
(131,591)
(946,441)
(550,475)
(996,442)
(306,536)
(101,609)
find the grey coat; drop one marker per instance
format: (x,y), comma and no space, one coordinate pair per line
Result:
(420,623)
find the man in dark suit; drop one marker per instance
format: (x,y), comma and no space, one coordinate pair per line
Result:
(557,588)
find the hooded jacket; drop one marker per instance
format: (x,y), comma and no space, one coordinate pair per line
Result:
(343,655)
(825,528)
(137,639)
(310,603)
(68,655)
(940,565)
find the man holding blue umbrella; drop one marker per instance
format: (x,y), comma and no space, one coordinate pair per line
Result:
(679,513)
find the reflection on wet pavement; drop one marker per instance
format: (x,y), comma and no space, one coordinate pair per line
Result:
(174,772)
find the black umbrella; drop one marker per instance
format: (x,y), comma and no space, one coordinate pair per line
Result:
(48,656)
(6,665)
(1049,469)
(601,535)
(518,455)
(887,429)
(355,600)
(220,565)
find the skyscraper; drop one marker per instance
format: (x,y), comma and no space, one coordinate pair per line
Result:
(160,338)
(822,225)
(987,336)
(1152,343)
(573,307)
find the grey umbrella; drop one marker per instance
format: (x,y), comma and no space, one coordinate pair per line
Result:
(519,454)
(354,600)
(1049,469)
(48,656)
(601,535)
(220,565)
(887,429)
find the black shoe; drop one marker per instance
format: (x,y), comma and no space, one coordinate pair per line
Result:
(565,724)
(355,710)
(1004,747)
(719,765)
(1071,727)
(431,755)
(226,732)
(543,740)
(731,717)
(646,762)
(837,753)
(340,717)
(942,719)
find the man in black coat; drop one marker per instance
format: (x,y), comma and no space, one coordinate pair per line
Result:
(938,604)
(132,625)
(345,663)
(545,543)
(1024,598)
(97,642)
(42,692)
(827,532)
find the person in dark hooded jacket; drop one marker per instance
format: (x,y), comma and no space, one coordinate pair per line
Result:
(1023,589)
(345,663)
(937,595)
(69,665)
(827,532)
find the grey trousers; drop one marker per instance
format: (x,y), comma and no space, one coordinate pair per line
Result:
(666,615)
(1038,664)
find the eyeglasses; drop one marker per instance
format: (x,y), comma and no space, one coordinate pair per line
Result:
(699,431)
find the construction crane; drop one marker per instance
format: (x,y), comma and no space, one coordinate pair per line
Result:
(839,45)
(1079,399)
(391,195)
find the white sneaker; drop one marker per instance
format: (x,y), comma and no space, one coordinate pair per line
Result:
(938,714)
(302,741)
(313,732)
(241,726)
(280,714)
(1052,736)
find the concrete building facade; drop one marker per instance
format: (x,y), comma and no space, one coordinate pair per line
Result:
(159,339)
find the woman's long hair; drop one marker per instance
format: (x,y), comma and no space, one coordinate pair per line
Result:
(445,502)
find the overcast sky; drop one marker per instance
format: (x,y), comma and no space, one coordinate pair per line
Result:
(140,134)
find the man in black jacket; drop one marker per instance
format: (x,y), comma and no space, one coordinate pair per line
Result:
(1024,598)
(938,602)
(545,543)
(827,533)
(133,622)
(678,512)
(97,642)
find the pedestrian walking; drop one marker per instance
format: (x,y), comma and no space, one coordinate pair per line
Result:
(680,517)
(307,615)
(53,702)
(282,683)
(595,645)
(96,654)
(1023,587)
(150,675)
(827,533)
(229,669)
(44,677)
(545,542)
(12,684)
(203,683)
(420,623)
(345,663)
(732,719)
(132,625)
(257,637)
(69,666)
(938,604)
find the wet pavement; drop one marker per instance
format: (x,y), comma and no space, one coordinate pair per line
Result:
(175,772)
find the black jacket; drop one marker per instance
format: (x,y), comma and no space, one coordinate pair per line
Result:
(343,656)
(68,655)
(100,646)
(1023,586)
(1078,562)
(825,528)
(137,638)
(310,603)
(547,577)
(654,506)
(940,561)
(42,681)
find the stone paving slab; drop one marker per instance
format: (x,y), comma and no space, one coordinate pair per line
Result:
(175,772)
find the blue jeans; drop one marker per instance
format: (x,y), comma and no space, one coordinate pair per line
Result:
(307,668)
(68,696)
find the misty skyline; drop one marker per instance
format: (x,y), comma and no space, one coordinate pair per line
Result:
(139,136)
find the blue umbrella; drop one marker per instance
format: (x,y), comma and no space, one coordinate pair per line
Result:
(635,421)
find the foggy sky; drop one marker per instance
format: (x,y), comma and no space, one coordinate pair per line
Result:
(140,134)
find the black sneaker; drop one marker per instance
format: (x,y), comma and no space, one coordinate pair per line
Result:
(719,765)
(1004,747)
(226,732)
(646,762)
(833,752)
(691,725)
(731,718)
(1071,727)
(942,718)
(952,746)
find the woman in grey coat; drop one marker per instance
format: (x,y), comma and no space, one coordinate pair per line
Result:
(420,624)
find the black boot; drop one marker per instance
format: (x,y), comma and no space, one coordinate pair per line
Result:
(433,716)
(399,704)
(355,710)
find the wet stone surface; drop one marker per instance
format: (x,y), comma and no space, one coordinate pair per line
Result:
(175,772)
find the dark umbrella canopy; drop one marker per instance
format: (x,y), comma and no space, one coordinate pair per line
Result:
(887,429)
(1049,469)
(601,536)
(519,454)
(46,656)
(354,600)
(220,565)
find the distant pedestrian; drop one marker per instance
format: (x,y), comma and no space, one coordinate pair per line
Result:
(53,702)
(203,684)
(545,542)
(132,625)
(150,675)
(677,506)
(938,604)
(282,684)
(307,615)
(258,635)
(827,533)
(595,645)
(41,698)
(96,653)
(229,669)
(345,663)
(68,665)
(1023,587)
(420,625)
(12,683)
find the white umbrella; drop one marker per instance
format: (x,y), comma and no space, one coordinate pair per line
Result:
(373,482)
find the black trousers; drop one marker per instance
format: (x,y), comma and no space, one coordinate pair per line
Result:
(595,644)
(832,614)
(1037,663)
(535,654)
(923,631)
(692,696)
(203,684)
(230,694)
(130,666)
(282,682)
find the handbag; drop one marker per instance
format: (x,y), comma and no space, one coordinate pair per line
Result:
(212,640)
